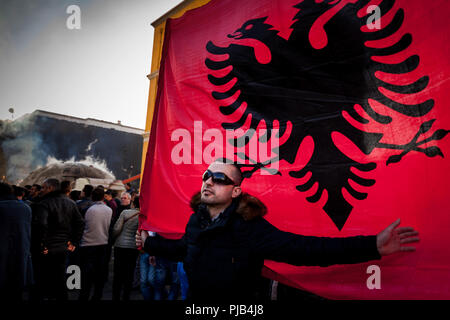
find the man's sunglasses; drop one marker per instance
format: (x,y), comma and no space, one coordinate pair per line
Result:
(218,178)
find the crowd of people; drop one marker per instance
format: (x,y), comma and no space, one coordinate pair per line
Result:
(47,228)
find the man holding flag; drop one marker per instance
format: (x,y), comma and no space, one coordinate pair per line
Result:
(227,240)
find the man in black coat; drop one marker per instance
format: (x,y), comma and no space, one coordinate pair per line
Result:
(57,228)
(15,233)
(227,240)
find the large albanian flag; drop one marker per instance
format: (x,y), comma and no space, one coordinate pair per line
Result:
(348,100)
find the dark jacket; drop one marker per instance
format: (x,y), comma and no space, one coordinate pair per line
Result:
(15,234)
(83,205)
(113,205)
(223,259)
(56,220)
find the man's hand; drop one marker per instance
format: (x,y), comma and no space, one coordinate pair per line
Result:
(140,238)
(391,240)
(152,260)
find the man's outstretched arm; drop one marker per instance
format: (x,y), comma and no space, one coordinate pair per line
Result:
(274,244)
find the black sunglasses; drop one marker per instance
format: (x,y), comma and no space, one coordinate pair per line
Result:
(218,178)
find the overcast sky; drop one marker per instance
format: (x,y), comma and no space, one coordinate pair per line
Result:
(98,71)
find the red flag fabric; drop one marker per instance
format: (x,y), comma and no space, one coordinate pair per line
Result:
(343,103)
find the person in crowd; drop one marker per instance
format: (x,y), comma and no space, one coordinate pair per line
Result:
(116,197)
(35,192)
(22,194)
(75,195)
(155,274)
(57,227)
(26,198)
(19,193)
(93,250)
(133,194)
(119,208)
(86,200)
(66,188)
(125,251)
(172,280)
(111,203)
(28,188)
(146,266)
(227,240)
(129,188)
(125,202)
(184,284)
(16,273)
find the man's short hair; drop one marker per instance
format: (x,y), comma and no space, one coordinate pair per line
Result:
(5,189)
(37,186)
(127,194)
(98,194)
(136,202)
(53,183)
(237,172)
(19,191)
(237,177)
(88,190)
(75,195)
(65,186)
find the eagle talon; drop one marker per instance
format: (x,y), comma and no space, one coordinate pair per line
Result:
(413,145)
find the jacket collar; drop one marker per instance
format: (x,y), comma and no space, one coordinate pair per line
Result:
(247,206)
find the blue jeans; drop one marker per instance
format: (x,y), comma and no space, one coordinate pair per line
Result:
(146,288)
(184,285)
(154,278)
(173,280)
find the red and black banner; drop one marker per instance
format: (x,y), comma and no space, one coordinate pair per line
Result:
(336,111)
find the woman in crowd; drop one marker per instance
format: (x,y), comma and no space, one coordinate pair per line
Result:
(125,251)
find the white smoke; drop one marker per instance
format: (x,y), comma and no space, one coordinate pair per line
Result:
(25,147)
(89,148)
(88,161)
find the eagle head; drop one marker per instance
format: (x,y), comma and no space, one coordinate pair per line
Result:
(252,29)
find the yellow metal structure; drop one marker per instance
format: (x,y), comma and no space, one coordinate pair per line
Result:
(158,39)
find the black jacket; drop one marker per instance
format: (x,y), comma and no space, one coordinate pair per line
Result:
(223,259)
(56,220)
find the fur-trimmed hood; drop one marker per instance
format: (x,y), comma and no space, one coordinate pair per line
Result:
(249,206)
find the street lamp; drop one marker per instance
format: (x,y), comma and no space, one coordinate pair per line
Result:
(11,110)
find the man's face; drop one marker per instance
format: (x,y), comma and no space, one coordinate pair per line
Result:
(108,197)
(33,191)
(46,189)
(218,194)
(125,199)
